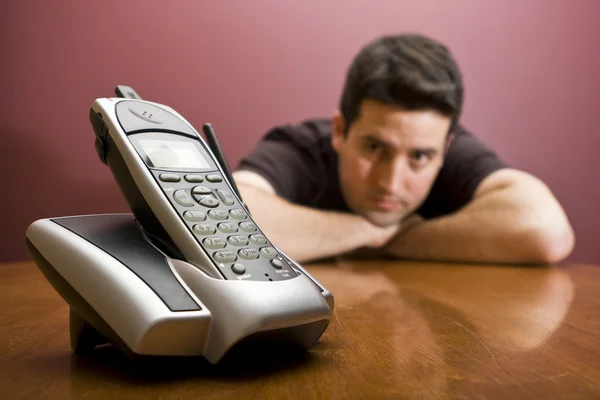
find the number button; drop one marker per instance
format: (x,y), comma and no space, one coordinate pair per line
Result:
(248,254)
(268,252)
(227,227)
(238,213)
(258,239)
(237,240)
(214,243)
(182,198)
(224,256)
(194,216)
(226,197)
(204,229)
(248,226)
(218,214)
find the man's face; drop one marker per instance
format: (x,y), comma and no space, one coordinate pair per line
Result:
(389,159)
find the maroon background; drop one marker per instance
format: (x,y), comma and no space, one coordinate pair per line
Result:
(531,70)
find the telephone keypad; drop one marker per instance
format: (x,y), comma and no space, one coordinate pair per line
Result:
(208,201)
(195,216)
(226,197)
(204,229)
(218,214)
(248,226)
(237,240)
(238,268)
(214,243)
(248,254)
(201,190)
(214,178)
(194,178)
(238,213)
(225,256)
(222,228)
(182,198)
(269,252)
(169,178)
(227,227)
(258,239)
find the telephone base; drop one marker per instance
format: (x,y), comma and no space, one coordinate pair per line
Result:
(123,291)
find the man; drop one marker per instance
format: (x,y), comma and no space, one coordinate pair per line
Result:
(394,172)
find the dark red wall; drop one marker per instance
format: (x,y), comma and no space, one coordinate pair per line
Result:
(531,70)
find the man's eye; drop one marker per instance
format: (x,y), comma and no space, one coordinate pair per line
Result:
(420,157)
(372,146)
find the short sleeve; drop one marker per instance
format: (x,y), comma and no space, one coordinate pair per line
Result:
(467,163)
(287,160)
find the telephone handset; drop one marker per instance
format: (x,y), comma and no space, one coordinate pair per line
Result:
(181,191)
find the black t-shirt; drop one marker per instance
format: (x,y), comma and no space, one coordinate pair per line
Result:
(302,166)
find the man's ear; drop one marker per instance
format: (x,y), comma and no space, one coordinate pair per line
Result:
(337,130)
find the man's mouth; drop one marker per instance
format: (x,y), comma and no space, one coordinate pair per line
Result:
(387,203)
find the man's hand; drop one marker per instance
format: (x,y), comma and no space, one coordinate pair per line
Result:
(304,233)
(513,218)
(380,236)
(383,236)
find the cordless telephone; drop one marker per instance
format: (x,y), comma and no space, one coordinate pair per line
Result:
(188,272)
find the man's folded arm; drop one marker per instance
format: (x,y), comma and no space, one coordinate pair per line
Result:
(512,218)
(305,233)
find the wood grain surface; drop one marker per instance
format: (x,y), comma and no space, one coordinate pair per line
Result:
(400,330)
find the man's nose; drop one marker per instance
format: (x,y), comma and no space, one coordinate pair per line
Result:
(392,175)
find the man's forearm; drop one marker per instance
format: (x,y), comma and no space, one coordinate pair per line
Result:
(504,224)
(461,238)
(304,233)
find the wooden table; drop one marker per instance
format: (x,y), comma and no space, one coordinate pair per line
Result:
(400,330)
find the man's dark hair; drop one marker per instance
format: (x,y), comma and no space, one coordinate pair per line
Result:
(407,70)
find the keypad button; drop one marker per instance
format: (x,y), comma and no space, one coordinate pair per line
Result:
(226,197)
(224,256)
(214,243)
(258,239)
(276,263)
(194,178)
(248,226)
(269,252)
(248,254)
(237,240)
(208,201)
(169,178)
(182,198)
(218,214)
(204,229)
(238,213)
(214,178)
(227,227)
(201,190)
(194,216)
(238,268)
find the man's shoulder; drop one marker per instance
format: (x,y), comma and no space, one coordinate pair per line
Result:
(297,160)
(461,131)
(467,163)
(466,145)
(307,132)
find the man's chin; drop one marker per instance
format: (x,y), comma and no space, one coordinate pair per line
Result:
(383,219)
